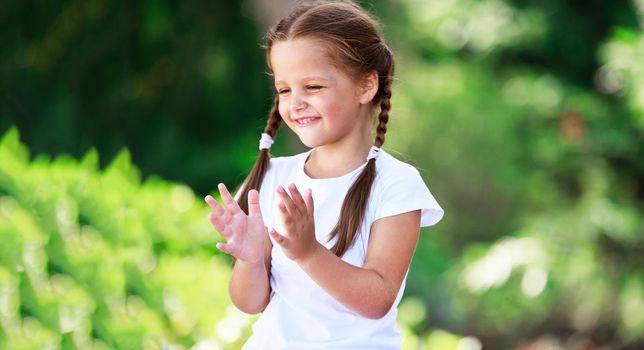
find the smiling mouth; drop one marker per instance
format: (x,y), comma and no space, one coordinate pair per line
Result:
(306,121)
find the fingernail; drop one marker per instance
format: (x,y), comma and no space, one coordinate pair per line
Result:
(280,189)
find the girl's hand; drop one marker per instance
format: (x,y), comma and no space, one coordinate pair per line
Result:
(245,234)
(296,213)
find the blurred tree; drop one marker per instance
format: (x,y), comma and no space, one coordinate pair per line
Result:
(530,134)
(167,79)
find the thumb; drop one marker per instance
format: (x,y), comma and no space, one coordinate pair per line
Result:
(224,247)
(253,204)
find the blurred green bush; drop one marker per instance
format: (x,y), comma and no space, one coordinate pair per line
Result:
(96,259)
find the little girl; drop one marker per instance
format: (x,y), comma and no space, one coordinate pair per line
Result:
(323,239)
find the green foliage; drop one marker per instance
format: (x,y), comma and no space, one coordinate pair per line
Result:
(97,259)
(543,177)
(165,79)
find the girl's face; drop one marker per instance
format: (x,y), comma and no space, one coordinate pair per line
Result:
(320,103)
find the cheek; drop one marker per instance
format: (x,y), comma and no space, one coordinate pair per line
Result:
(324,105)
(282,107)
(333,106)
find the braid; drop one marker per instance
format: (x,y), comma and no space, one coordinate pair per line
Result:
(256,175)
(355,203)
(274,119)
(383,117)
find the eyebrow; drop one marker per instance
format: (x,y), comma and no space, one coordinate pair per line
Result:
(314,77)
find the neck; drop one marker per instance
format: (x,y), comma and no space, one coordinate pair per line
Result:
(337,159)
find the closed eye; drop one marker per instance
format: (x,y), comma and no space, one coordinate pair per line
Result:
(314,87)
(283,91)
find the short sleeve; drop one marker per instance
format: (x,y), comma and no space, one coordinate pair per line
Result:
(403,191)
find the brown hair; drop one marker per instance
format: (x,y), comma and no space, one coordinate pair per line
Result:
(355,43)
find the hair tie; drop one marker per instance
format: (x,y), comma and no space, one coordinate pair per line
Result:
(265,142)
(373,153)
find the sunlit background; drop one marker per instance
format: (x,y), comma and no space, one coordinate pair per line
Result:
(525,118)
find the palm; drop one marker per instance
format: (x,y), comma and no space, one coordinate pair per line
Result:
(244,234)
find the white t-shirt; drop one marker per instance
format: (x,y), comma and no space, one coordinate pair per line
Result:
(300,314)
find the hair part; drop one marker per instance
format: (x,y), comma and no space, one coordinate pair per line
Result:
(356,46)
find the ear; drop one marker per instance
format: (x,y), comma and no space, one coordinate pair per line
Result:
(368,87)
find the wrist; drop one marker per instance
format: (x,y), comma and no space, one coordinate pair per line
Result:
(252,270)
(315,250)
(252,263)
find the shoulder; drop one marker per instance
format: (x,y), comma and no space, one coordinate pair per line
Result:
(285,160)
(280,163)
(396,177)
(285,166)
(399,188)
(389,168)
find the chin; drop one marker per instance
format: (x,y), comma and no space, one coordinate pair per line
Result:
(311,143)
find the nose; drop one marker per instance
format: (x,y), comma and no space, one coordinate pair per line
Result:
(297,102)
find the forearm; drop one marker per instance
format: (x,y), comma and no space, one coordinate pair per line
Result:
(362,290)
(249,286)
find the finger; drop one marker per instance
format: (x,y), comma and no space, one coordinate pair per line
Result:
(230,202)
(218,209)
(297,198)
(253,204)
(224,247)
(278,238)
(308,198)
(285,216)
(225,216)
(288,202)
(219,225)
(214,205)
